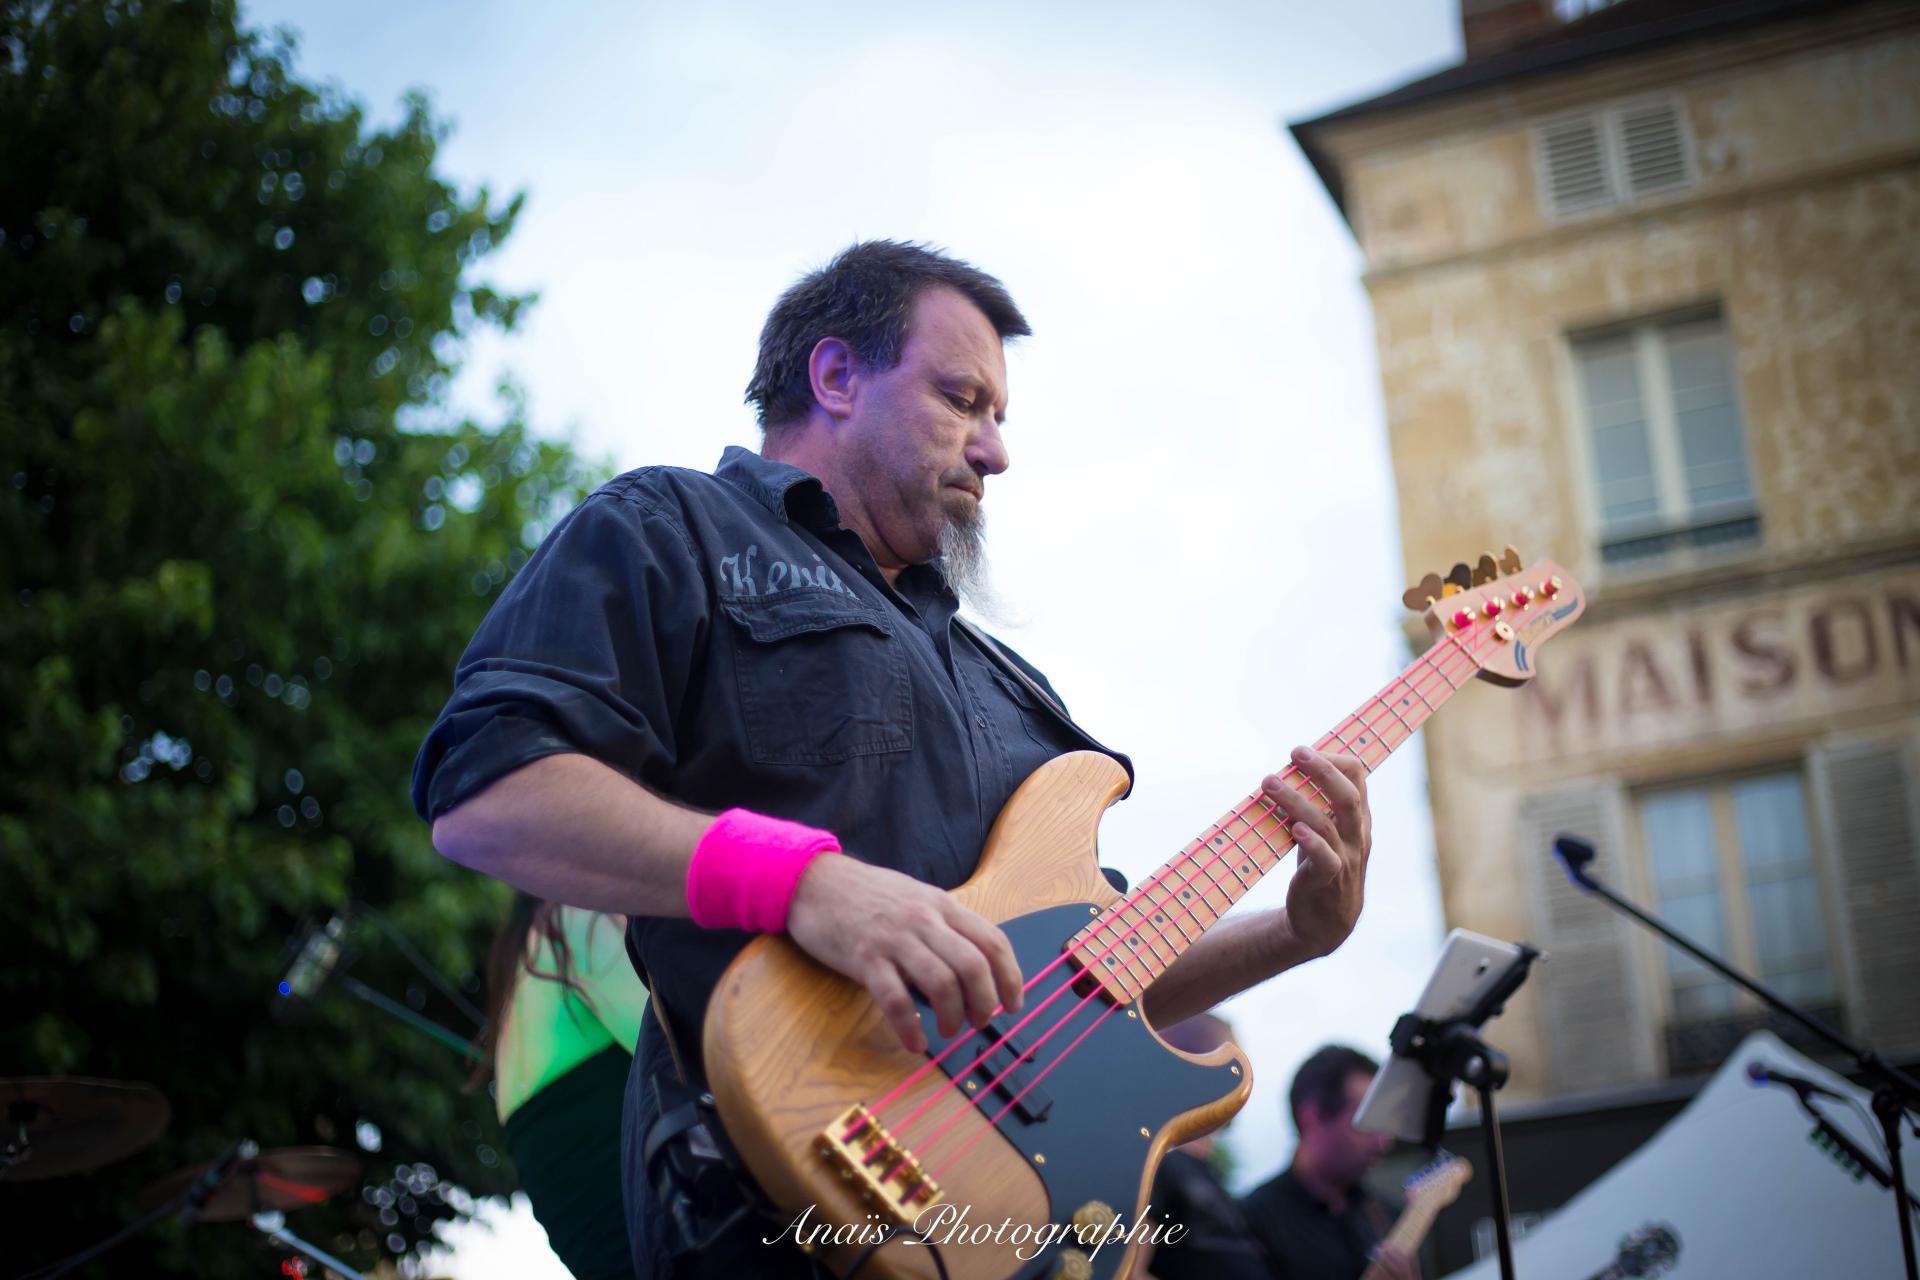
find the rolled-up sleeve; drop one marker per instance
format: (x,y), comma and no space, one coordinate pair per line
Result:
(588,650)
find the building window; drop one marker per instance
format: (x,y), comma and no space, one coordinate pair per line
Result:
(1605,159)
(1669,453)
(1731,866)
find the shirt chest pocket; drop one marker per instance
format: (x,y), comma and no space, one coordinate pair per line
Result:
(821,679)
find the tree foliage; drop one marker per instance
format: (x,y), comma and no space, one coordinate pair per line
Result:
(245,537)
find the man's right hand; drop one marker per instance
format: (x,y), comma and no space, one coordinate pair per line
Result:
(886,931)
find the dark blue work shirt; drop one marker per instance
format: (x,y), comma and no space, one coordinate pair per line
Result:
(722,640)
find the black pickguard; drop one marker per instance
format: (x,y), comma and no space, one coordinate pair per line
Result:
(1086,1112)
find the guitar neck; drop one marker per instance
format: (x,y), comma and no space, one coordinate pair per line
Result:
(1133,944)
(1413,1224)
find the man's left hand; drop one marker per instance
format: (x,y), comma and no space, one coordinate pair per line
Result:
(1323,902)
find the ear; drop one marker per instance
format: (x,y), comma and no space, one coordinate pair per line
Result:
(833,369)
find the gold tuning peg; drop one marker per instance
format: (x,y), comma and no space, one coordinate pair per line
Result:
(1461,576)
(1486,571)
(1510,561)
(1423,593)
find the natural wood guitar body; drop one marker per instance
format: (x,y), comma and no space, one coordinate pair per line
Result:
(790,1046)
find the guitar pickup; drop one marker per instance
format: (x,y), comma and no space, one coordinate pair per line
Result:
(1030,1103)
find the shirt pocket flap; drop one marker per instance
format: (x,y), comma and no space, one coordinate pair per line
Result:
(771,618)
(822,679)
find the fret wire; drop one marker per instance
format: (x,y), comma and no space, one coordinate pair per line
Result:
(1232,870)
(1208,875)
(1177,891)
(1395,713)
(1416,693)
(1140,926)
(1111,949)
(1213,850)
(1408,689)
(1173,919)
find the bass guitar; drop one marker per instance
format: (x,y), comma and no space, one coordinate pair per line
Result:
(1027,1148)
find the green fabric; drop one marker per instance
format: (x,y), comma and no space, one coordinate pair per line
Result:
(565,1144)
(549,1029)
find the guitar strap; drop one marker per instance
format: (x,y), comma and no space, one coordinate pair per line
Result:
(688,1164)
(660,1020)
(998,656)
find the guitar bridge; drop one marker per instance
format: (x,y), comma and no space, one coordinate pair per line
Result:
(885,1172)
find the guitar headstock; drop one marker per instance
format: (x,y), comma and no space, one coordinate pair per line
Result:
(1649,1251)
(1499,613)
(1439,1183)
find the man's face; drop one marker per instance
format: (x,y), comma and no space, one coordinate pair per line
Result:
(1341,1152)
(925,434)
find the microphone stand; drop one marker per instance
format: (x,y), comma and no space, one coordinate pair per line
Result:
(425,1026)
(1453,1050)
(272,1224)
(1894,1090)
(1845,1151)
(187,1206)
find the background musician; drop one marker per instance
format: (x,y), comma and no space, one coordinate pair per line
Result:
(1316,1217)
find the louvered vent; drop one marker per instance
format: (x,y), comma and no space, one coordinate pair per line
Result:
(1654,149)
(1573,160)
(1613,157)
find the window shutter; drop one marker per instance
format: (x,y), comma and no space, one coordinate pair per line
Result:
(1573,165)
(1614,156)
(1864,790)
(1598,1028)
(1654,150)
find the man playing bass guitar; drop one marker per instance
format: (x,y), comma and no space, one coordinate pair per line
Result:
(776,643)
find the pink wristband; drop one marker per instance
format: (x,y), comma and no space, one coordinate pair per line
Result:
(746,867)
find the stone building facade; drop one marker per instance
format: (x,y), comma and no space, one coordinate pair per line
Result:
(1646,280)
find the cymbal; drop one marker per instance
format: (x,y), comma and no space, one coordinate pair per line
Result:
(51,1126)
(286,1178)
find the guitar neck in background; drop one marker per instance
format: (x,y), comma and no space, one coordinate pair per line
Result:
(1410,1230)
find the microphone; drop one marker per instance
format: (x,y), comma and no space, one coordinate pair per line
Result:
(1577,855)
(318,957)
(1761,1075)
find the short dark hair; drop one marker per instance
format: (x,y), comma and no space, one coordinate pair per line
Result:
(1322,1080)
(865,296)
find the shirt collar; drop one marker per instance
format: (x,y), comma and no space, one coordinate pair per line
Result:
(797,496)
(783,489)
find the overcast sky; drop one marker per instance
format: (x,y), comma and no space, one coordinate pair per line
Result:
(1198,532)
